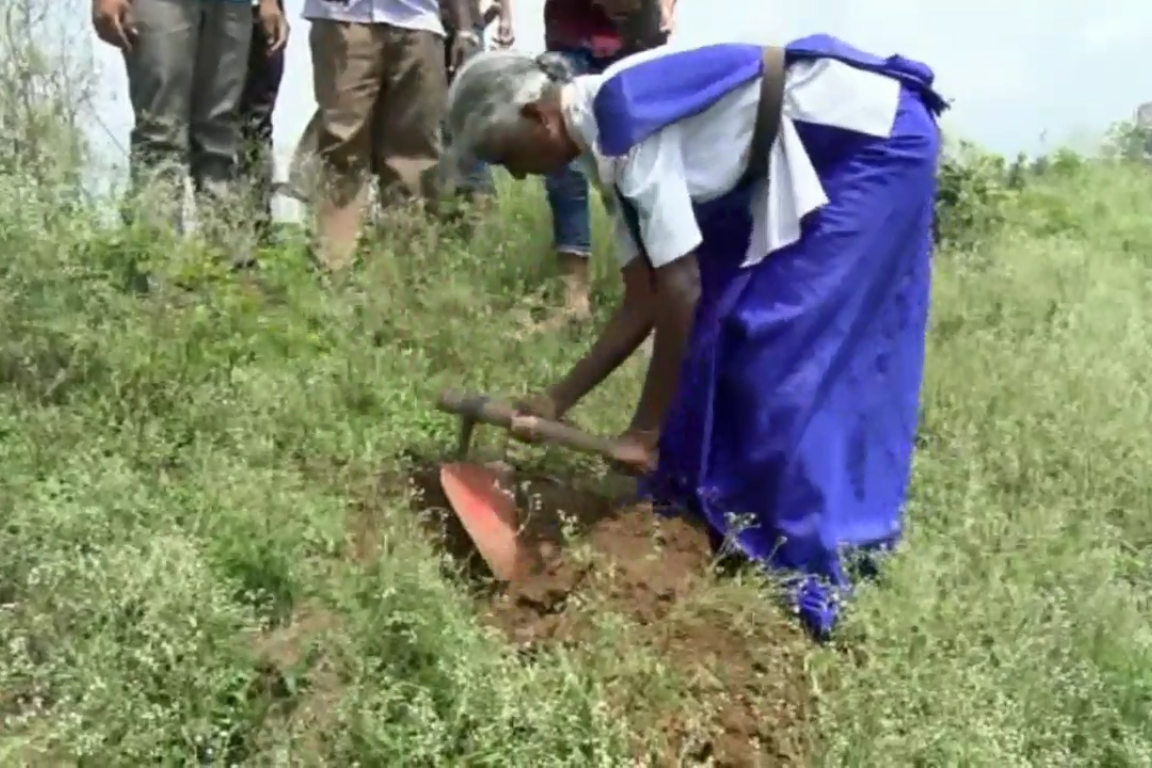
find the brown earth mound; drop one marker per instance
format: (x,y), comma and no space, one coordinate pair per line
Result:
(742,697)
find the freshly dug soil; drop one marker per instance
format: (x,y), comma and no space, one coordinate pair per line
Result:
(744,695)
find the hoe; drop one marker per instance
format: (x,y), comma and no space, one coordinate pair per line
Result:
(478,493)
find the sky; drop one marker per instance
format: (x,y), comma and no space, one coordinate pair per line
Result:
(1024,75)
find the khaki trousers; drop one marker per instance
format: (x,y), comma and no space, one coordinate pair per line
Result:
(381,95)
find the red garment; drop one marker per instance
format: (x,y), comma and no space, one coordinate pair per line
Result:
(580,24)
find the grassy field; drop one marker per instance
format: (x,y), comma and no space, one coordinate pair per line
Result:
(187,477)
(210,550)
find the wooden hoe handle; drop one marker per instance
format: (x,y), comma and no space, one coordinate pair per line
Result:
(485,410)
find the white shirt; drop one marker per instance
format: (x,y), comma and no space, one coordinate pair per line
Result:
(406,14)
(704,156)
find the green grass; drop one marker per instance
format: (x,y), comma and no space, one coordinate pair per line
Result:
(183,476)
(1015,629)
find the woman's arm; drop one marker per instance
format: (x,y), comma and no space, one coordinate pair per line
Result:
(653,187)
(630,324)
(661,282)
(677,294)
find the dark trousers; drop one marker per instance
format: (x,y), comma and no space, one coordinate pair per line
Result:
(261,87)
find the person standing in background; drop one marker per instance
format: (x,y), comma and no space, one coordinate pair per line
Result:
(643,24)
(261,87)
(589,35)
(380,85)
(186,62)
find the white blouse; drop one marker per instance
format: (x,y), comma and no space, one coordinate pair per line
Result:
(703,156)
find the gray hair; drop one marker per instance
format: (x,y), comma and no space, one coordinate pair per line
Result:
(488,93)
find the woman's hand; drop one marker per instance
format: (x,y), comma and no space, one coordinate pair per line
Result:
(528,411)
(637,452)
(539,404)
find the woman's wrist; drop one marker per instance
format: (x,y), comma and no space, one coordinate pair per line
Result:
(647,437)
(643,424)
(562,399)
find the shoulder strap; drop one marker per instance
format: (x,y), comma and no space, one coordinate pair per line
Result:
(768,115)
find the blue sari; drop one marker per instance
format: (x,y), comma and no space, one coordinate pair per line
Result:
(793,428)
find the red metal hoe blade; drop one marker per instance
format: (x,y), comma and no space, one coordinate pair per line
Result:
(487,510)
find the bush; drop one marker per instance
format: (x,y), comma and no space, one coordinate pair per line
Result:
(973,189)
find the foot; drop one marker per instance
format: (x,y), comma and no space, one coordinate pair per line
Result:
(577,302)
(577,285)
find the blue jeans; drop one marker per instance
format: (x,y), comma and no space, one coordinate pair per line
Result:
(568,189)
(478,178)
